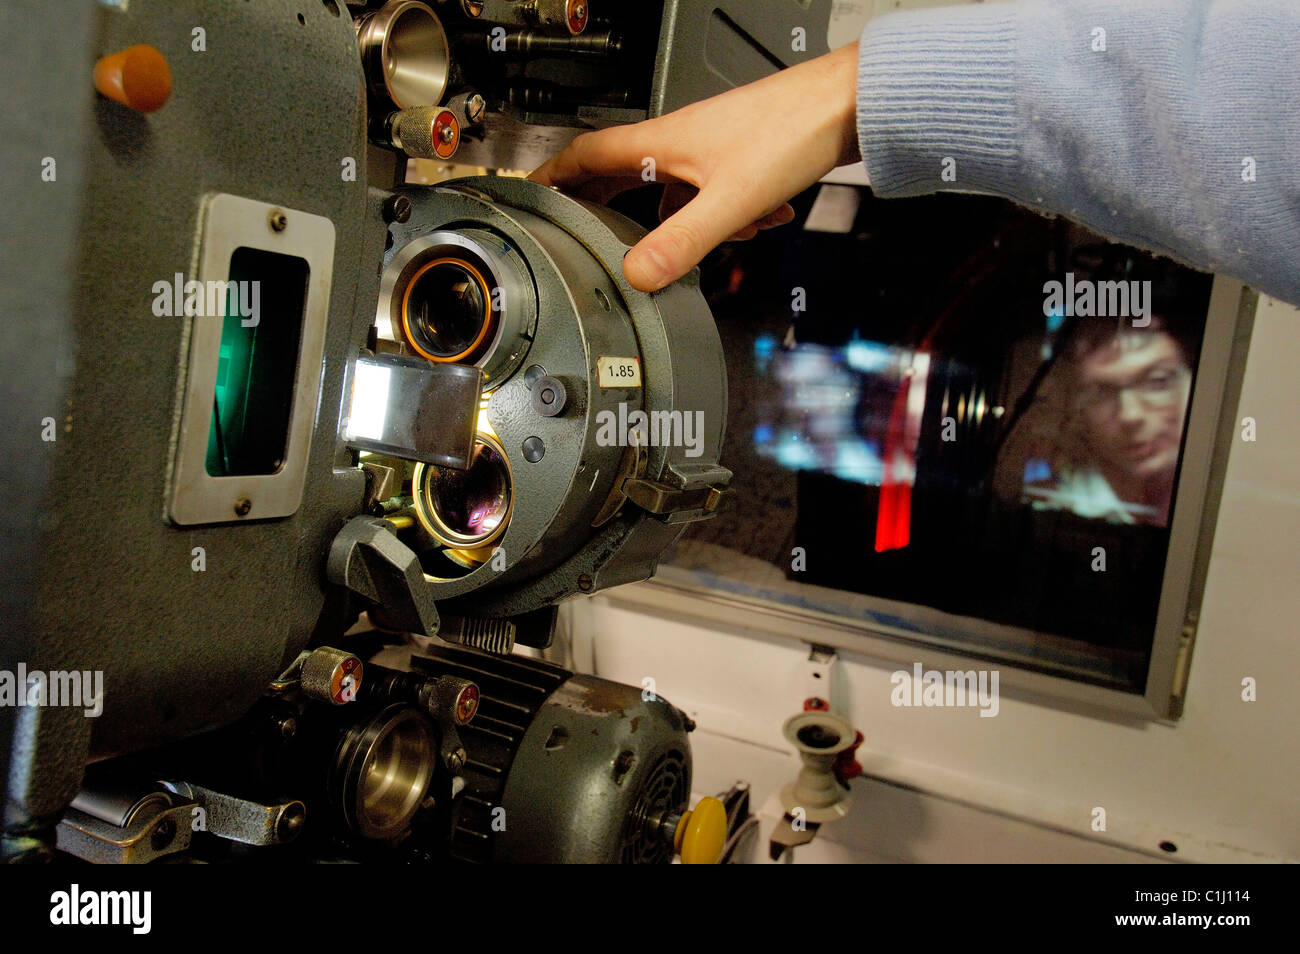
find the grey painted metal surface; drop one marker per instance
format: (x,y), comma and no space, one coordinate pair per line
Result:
(617,756)
(37,268)
(189,624)
(706,48)
(110,584)
(588,311)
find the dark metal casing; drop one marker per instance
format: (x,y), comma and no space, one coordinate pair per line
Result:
(108,582)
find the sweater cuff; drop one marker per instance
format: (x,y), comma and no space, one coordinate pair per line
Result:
(936,101)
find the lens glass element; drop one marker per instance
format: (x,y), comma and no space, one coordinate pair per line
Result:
(447,310)
(472,503)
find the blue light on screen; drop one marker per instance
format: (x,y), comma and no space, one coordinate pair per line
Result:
(1037,469)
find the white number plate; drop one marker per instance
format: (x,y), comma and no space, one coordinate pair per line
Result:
(619,372)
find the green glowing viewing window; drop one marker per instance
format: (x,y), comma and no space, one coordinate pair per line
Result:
(261,332)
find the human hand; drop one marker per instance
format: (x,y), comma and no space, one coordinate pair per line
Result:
(730,161)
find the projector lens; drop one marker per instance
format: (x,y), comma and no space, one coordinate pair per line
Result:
(447,311)
(466,508)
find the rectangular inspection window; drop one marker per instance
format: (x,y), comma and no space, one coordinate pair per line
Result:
(257,362)
(967,427)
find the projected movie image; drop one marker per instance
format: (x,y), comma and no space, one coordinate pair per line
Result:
(984,418)
(1116,452)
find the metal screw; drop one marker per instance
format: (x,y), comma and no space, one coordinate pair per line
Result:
(534,449)
(163,834)
(242,506)
(447,134)
(585,583)
(278,220)
(397,208)
(290,823)
(579,11)
(475,107)
(473,8)
(456,761)
(288,728)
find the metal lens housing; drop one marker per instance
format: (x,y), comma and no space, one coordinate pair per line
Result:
(406,54)
(592,507)
(463,297)
(466,510)
(447,310)
(384,767)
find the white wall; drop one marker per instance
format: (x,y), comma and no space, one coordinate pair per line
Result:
(1223,784)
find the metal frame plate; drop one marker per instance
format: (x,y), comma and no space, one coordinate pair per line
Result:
(231,222)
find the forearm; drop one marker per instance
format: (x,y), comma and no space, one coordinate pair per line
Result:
(1144,137)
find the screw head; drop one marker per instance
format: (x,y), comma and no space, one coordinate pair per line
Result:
(585,582)
(397,208)
(291,823)
(534,449)
(242,506)
(277,220)
(475,107)
(549,396)
(473,8)
(163,834)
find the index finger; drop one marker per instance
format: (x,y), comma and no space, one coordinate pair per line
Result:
(616,152)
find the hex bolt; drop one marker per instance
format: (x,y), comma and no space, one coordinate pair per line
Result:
(278,220)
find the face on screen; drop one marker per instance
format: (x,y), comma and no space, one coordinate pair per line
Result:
(1133,392)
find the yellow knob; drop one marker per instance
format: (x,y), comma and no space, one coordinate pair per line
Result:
(702,833)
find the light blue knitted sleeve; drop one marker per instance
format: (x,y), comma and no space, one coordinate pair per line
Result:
(1173,125)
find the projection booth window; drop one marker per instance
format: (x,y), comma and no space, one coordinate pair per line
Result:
(963,412)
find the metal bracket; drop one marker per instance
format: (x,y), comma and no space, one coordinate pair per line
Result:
(785,837)
(237,819)
(672,504)
(161,829)
(367,558)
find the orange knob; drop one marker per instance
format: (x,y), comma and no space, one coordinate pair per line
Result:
(138,77)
